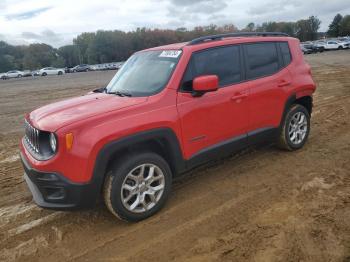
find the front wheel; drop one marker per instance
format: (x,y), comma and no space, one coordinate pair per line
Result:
(60,73)
(138,186)
(295,128)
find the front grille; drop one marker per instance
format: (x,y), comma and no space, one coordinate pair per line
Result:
(32,136)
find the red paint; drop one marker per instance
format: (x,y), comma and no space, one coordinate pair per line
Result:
(206,83)
(198,122)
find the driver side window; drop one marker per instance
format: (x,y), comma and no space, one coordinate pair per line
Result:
(222,61)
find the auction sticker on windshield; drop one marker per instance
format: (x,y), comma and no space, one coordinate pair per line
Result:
(170,53)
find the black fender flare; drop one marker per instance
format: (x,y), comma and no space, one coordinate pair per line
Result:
(165,135)
(290,101)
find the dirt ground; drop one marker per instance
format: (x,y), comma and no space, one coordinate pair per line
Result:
(261,205)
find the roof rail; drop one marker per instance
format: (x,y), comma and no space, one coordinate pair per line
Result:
(221,36)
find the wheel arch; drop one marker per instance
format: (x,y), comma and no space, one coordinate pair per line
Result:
(162,141)
(304,100)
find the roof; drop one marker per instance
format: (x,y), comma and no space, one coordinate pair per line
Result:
(175,46)
(232,37)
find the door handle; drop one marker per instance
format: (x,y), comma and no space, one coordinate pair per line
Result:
(239,97)
(283,83)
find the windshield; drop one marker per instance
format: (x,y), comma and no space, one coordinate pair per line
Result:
(145,73)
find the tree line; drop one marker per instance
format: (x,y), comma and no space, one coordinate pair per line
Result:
(112,46)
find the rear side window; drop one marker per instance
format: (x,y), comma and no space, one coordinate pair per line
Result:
(261,59)
(285,53)
(222,61)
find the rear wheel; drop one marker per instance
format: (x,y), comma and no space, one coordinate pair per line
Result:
(295,128)
(138,186)
(60,73)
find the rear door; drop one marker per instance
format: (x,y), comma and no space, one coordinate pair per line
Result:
(219,116)
(268,75)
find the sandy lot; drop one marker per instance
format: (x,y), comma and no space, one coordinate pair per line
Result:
(261,205)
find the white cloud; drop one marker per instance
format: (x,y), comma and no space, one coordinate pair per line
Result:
(58,22)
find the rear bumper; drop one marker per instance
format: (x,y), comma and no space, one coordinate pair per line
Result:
(54,191)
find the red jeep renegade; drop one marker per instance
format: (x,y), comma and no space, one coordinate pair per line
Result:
(167,110)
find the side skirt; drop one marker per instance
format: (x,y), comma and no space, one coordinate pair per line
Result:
(257,137)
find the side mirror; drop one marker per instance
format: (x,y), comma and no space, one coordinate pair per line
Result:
(206,83)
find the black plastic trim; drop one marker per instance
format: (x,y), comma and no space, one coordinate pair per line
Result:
(44,185)
(218,150)
(165,135)
(242,34)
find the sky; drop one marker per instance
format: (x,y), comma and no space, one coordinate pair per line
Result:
(58,22)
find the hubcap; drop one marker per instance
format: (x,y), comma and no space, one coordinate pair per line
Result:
(142,188)
(297,129)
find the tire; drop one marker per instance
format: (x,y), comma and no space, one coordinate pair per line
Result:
(293,140)
(19,76)
(340,47)
(44,74)
(121,178)
(60,73)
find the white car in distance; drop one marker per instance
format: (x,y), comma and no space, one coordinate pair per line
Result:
(51,71)
(332,45)
(12,74)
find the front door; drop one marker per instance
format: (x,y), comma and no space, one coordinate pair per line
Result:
(215,117)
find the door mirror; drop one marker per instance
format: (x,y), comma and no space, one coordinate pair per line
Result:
(203,84)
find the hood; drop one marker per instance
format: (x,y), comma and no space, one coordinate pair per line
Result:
(59,114)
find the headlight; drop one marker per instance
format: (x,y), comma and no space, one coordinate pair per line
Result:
(53,142)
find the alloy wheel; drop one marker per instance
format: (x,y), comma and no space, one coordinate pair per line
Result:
(298,127)
(142,188)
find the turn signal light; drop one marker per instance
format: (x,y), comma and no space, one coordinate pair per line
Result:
(69,141)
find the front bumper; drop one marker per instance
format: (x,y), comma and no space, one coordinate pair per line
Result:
(54,191)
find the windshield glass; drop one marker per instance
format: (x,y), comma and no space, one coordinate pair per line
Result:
(145,73)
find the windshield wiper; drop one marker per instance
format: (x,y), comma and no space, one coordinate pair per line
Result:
(100,90)
(120,93)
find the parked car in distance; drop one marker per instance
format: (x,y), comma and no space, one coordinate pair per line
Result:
(12,74)
(94,67)
(343,44)
(306,50)
(27,73)
(36,73)
(3,76)
(51,71)
(120,65)
(80,68)
(311,46)
(332,45)
(167,110)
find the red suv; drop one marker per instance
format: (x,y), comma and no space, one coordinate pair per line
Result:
(167,110)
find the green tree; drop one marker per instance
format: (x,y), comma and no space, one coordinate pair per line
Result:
(82,42)
(5,63)
(344,29)
(250,27)
(306,29)
(334,27)
(70,54)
